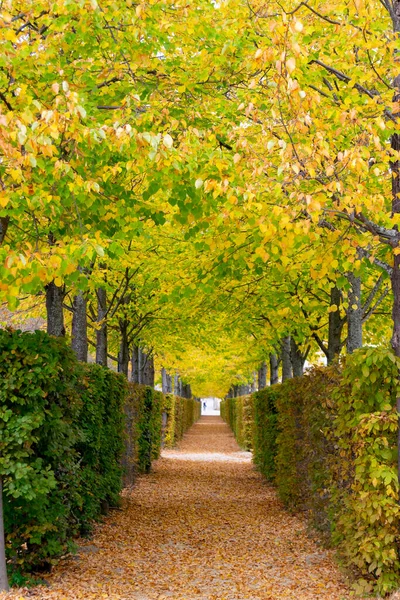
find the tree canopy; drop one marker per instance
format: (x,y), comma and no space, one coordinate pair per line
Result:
(225,172)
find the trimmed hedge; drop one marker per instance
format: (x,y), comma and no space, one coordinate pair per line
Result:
(102,423)
(328,442)
(239,414)
(144,407)
(181,414)
(70,435)
(61,441)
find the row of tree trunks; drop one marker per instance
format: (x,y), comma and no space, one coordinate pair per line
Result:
(181,389)
(55,296)
(142,365)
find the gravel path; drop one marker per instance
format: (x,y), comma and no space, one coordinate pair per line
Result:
(203,526)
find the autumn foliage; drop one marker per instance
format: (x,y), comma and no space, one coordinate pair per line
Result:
(328,442)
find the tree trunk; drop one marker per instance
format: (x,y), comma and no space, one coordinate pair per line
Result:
(135,364)
(3,563)
(354,315)
(123,355)
(148,369)
(4,222)
(141,365)
(297,359)
(54,309)
(151,371)
(145,368)
(101,334)
(336,324)
(166,381)
(286,359)
(395,277)
(262,376)
(273,369)
(79,341)
(169,384)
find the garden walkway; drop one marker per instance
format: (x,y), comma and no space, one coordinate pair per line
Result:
(203,526)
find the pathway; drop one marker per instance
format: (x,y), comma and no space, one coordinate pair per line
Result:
(203,526)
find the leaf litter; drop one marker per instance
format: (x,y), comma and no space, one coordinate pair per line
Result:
(204,525)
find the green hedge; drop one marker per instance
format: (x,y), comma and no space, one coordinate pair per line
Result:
(39,434)
(102,423)
(238,413)
(144,407)
(328,442)
(181,414)
(62,435)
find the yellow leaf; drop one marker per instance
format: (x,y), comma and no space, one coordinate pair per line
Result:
(168,141)
(236,158)
(291,65)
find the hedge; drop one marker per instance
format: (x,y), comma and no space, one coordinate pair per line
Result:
(144,407)
(238,413)
(327,440)
(181,413)
(39,434)
(71,434)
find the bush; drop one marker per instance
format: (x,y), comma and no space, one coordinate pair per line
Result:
(305,448)
(145,405)
(364,481)
(61,440)
(181,414)
(265,430)
(238,413)
(328,442)
(39,433)
(102,423)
